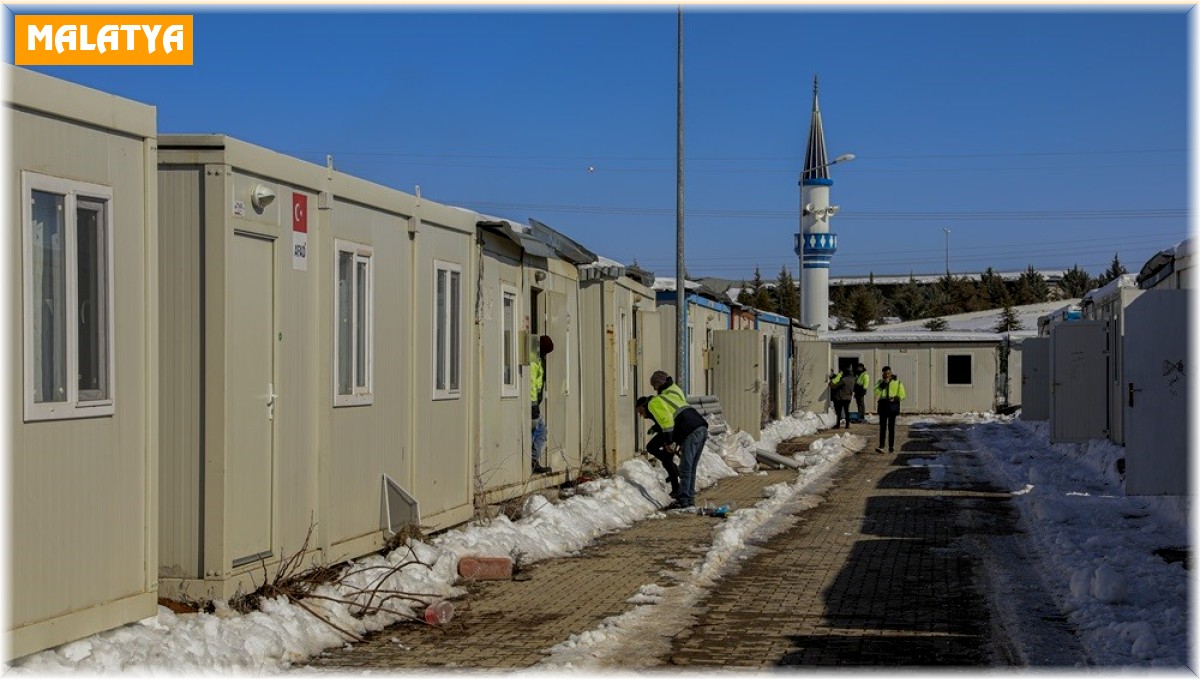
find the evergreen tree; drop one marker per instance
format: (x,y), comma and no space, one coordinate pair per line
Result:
(762,299)
(839,306)
(991,289)
(1032,287)
(864,309)
(1115,270)
(1076,282)
(745,295)
(911,300)
(937,324)
(787,298)
(1008,320)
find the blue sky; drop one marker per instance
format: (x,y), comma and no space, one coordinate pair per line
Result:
(1039,137)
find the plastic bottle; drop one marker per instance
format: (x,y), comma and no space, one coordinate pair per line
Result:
(439,613)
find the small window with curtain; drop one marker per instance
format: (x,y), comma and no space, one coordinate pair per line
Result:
(353,317)
(958,369)
(67,273)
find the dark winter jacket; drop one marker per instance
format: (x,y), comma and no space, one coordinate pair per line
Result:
(687,419)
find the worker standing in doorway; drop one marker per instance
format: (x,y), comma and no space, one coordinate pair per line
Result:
(537,383)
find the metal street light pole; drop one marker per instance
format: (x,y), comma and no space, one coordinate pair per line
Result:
(681,357)
(947,250)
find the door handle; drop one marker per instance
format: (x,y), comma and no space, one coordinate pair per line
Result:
(1131,390)
(272,397)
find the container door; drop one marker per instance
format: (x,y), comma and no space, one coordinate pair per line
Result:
(1035,378)
(1079,386)
(737,379)
(251,397)
(1156,394)
(649,351)
(811,367)
(905,367)
(555,407)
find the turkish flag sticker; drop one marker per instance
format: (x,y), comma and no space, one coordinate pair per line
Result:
(299,213)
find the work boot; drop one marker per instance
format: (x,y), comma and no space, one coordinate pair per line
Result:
(539,469)
(879,449)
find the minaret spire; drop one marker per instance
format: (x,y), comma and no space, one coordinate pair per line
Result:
(815,243)
(816,162)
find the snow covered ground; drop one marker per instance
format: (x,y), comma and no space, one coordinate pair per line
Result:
(1095,546)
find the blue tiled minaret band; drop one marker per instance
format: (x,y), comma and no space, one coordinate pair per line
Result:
(818,249)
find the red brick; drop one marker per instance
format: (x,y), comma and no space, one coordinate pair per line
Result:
(485,567)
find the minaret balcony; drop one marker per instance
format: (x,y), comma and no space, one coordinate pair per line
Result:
(816,249)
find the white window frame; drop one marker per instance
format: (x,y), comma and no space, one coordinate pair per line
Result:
(71,190)
(453,353)
(360,394)
(511,389)
(970,373)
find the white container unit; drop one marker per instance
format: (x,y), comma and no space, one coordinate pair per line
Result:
(83,300)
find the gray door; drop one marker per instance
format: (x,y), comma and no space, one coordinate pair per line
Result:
(737,378)
(251,385)
(1079,381)
(1035,378)
(1156,394)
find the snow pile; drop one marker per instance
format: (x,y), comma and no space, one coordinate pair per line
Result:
(282,633)
(1097,546)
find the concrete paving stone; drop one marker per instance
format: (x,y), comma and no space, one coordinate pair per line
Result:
(875,575)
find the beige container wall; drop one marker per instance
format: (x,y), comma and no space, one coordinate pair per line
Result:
(1014,374)
(921,367)
(699,321)
(779,348)
(977,397)
(366,441)
(297,315)
(327,461)
(594,379)
(737,368)
(503,462)
(561,404)
(207,216)
(648,357)
(85,487)
(811,365)
(443,436)
(181,381)
(624,417)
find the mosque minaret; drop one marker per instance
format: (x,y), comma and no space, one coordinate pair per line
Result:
(815,244)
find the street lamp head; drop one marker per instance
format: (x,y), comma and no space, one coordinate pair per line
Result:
(843,158)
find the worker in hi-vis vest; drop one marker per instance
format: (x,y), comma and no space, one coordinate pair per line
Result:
(889,392)
(537,383)
(662,414)
(689,431)
(862,382)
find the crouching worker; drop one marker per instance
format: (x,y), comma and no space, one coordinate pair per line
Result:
(661,446)
(690,431)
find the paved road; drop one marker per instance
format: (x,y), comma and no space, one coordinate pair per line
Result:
(913,559)
(870,577)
